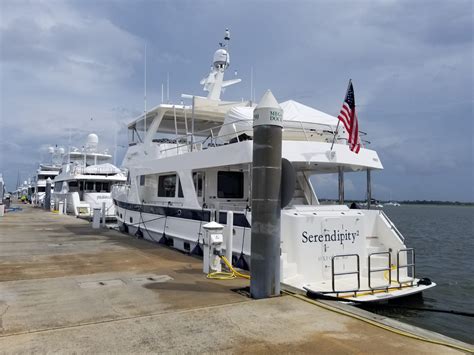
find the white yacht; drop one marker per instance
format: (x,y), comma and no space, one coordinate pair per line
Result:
(46,170)
(85,180)
(190,164)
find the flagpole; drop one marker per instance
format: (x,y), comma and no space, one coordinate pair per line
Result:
(338,120)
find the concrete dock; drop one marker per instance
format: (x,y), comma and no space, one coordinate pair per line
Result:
(65,287)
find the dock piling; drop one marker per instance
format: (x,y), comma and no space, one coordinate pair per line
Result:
(266,204)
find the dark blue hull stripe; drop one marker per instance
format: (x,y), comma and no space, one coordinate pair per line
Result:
(186,213)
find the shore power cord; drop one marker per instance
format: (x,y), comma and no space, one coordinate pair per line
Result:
(222,275)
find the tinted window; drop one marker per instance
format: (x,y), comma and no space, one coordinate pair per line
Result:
(58,186)
(197,179)
(180,189)
(41,189)
(230,184)
(167,186)
(73,186)
(142,180)
(89,186)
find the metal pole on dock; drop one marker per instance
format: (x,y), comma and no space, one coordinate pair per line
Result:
(266,204)
(102,224)
(341,185)
(229,232)
(47,195)
(369,189)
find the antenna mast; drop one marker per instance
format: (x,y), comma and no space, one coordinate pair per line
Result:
(168,87)
(144,97)
(251,83)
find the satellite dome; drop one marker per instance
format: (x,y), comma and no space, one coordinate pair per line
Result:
(221,59)
(51,150)
(92,142)
(61,150)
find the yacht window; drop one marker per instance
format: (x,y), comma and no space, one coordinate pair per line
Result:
(197,179)
(73,186)
(180,189)
(230,184)
(106,187)
(81,185)
(89,186)
(142,180)
(58,186)
(98,186)
(167,186)
(41,188)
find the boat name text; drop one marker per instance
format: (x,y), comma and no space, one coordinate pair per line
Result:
(336,236)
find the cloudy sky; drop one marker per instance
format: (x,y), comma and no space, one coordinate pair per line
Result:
(78,66)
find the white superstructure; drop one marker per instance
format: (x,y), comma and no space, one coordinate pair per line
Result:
(190,164)
(46,170)
(85,180)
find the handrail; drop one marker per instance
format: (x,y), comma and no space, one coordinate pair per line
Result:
(407,265)
(392,226)
(236,133)
(389,269)
(345,273)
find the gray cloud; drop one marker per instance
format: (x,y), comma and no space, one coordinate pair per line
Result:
(411,62)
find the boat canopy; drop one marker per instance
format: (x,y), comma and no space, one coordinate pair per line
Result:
(295,114)
(207,114)
(227,116)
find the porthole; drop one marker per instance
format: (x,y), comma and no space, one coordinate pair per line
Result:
(131,220)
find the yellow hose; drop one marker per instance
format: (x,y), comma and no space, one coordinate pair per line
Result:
(227,275)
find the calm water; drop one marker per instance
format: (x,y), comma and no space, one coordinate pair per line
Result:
(443,237)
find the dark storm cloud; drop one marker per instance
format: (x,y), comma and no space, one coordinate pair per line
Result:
(411,63)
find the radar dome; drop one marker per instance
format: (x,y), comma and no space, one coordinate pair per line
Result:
(61,150)
(92,141)
(221,59)
(51,150)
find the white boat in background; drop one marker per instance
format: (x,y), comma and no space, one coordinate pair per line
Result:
(46,170)
(395,204)
(85,180)
(190,164)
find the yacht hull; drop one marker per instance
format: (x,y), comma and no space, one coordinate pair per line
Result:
(304,265)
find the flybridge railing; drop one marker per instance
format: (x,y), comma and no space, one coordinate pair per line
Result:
(294,130)
(81,170)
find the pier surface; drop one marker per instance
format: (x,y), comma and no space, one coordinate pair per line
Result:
(65,287)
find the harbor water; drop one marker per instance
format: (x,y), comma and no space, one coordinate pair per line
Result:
(443,237)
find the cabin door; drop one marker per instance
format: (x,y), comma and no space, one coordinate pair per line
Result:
(199,179)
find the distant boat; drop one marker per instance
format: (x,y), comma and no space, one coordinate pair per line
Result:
(85,180)
(392,204)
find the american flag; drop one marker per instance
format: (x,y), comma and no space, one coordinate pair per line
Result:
(348,117)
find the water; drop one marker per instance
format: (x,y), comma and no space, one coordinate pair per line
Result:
(443,238)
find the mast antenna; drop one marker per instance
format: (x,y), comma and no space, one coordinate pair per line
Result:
(251,83)
(168,87)
(144,96)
